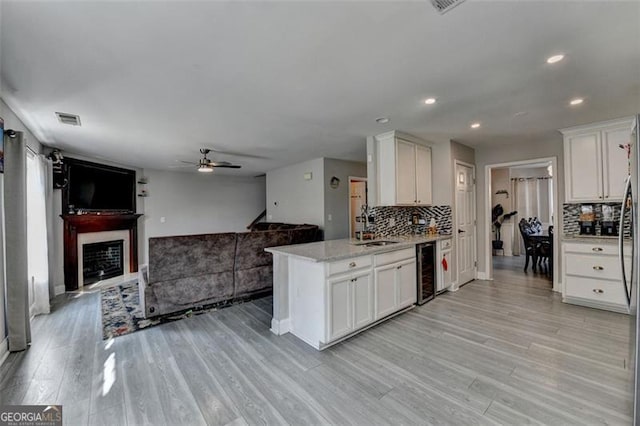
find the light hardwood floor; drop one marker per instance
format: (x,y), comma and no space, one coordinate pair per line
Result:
(507,351)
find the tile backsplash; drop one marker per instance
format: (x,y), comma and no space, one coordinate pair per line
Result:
(571,214)
(402,216)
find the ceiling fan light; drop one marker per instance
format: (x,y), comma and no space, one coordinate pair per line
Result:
(205,169)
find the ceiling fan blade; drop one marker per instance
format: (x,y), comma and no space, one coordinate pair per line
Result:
(237,154)
(226,166)
(187,162)
(182,166)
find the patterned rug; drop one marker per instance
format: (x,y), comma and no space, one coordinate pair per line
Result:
(121,312)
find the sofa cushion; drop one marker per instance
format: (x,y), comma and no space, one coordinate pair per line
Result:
(253,280)
(193,291)
(250,247)
(190,256)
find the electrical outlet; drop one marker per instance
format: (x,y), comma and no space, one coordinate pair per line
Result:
(270,217)
(392,221)
(163,219)
(329,217)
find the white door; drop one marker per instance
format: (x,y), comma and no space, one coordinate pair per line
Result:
(340,315)
(405,172)
(423,175)
(407,283)
(465,222)
(615,165)
(362,286)
(584,167)
(385,294)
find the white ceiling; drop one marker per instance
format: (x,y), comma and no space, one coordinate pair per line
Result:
(155,81)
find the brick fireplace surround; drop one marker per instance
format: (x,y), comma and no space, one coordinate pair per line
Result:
(89,223)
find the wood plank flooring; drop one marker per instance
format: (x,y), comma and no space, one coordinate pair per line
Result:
(501,352)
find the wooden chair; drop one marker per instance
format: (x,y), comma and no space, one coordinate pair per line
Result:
(545,253)
(530,246)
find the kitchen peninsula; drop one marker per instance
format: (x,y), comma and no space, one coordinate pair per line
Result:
(326,291)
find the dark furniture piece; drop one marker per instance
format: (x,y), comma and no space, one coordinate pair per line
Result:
(545,251)
(197,271)
(530,244)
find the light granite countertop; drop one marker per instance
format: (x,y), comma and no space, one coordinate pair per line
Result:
(589,239)
(331,250)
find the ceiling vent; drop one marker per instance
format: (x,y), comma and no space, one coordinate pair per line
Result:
(70,119)
(443,6)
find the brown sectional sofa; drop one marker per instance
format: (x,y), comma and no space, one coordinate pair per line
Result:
(194,271)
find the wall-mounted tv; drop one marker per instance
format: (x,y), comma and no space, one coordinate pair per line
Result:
(97,187)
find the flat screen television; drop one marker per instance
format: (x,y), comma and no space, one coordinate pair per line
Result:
(97,187)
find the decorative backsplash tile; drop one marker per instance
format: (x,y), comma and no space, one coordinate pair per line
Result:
(571,214)
(402,216)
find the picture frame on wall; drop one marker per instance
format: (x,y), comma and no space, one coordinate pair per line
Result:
(1,145)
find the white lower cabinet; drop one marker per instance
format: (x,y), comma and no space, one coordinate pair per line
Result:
(350,304)
(592,275)
(331,300)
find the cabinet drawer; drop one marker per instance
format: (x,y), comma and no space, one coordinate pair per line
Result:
(588,265)
(596,290)
(595,248)
(395,256)
(348,265)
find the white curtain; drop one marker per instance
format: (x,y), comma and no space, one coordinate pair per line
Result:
(531,198)
(37,245)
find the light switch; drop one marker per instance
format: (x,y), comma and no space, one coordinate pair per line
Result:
(392,221)
(163,219)
(329,217)
(308,176)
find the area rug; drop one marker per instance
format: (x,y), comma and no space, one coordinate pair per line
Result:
(121,312)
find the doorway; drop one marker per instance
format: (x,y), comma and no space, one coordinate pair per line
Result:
(465,222)
(522,194)
(357,199)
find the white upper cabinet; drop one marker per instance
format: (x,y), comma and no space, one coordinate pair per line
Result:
(594,164)
(399,170)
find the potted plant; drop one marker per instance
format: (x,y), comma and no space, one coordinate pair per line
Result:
(497,218)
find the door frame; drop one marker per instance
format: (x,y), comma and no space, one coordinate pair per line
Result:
(486,238)
(456,283)
(366,196)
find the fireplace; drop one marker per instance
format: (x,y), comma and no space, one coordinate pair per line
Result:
(81,230)
(102,260)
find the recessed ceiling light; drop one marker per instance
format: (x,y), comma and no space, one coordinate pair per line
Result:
(555,58)
(475,125)
(382,120)
(576,101)
(430,101)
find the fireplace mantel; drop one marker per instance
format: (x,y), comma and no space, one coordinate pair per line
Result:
(79,224)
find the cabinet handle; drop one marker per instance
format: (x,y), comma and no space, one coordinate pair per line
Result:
(353,280)
(598,268)
(598,290)
(399,267)
(352,265)
(597,249)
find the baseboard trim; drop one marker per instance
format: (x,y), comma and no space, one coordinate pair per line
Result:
(58,290)
(280,327)
(4,350)
(482,276)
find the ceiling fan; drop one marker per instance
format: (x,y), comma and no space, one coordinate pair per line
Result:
(206,165)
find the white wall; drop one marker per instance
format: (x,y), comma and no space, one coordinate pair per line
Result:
(291,198)
(200,203)
(486,155)
(11,121)
(336,200)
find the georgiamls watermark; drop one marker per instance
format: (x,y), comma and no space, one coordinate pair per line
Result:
(31,415)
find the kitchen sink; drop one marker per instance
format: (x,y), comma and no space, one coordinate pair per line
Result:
(379,243)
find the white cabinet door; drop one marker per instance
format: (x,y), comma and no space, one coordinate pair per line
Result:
(362,287)
(340,316)
(583,164)
(423,175)
(444,277)
(407,283)
(385,294)
(615,166)
(405,172)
